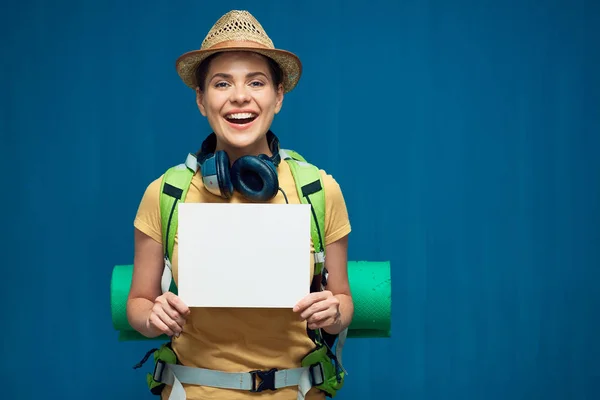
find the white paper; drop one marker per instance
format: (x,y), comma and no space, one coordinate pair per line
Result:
(243,255)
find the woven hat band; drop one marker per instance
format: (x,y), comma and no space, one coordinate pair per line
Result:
(237,43)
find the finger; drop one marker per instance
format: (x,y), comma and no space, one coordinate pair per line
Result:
(321,317)
(173,314)
(322,324)
(170,322)
(313,309)
(328,302)
(178,304)
(309,299)
(156,322)
(163,306)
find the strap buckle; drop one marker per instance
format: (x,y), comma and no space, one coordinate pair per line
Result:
(267,380)
(315,381)
(158,371)
(319,257)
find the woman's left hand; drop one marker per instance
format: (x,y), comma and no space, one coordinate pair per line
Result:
(319,309)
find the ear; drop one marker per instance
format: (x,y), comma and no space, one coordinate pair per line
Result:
(199,99)
(279,98)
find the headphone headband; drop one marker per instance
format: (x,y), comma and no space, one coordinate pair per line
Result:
(210,144)
(255,177)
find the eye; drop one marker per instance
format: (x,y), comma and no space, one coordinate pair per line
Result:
(221,84)
(256,84)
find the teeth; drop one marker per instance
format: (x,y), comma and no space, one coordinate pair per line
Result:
(241,115)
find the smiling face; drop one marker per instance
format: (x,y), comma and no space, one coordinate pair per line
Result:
(239,97)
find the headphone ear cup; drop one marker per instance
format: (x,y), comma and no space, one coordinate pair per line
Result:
(267,160)
(255,178)
(223,176)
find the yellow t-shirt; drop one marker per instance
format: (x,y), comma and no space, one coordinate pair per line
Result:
(241,340)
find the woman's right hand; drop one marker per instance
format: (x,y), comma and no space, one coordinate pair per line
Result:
(168,315)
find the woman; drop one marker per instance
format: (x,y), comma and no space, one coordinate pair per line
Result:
(240,81)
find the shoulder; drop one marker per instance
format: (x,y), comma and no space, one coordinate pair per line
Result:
(337,221)
(152,191)
(171,175)
(329,182)
(147,218)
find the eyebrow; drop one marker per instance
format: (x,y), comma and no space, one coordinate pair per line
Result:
(228,76)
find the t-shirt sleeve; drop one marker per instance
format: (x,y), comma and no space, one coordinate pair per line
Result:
(337,222)
(147,218)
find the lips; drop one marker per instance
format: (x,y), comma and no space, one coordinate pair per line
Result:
(241,118)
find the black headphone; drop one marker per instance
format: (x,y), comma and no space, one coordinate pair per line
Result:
(254,177)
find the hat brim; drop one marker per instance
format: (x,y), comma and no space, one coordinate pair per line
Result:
(289,63)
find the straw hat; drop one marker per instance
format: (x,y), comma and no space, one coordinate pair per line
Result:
(234,31)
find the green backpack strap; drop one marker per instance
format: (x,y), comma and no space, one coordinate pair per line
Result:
(174,187)
(310,191)
(309,185)
(173,190)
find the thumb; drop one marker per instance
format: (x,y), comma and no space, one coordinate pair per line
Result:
(176,302)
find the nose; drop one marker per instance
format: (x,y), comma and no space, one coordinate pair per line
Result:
(239,94)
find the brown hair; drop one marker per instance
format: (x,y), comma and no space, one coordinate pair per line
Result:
(202,71)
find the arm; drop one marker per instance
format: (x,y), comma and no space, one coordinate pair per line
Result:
(332,309)
(336,263)
(145,283)
(148,310)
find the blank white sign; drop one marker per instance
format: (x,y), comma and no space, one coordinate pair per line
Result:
(243,255)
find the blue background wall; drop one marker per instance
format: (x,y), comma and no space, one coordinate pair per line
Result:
(464,134)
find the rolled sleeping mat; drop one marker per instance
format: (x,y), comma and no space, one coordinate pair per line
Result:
(370,283)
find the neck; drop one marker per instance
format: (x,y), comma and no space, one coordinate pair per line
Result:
(260,147)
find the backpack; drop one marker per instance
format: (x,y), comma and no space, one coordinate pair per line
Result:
(321,368)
